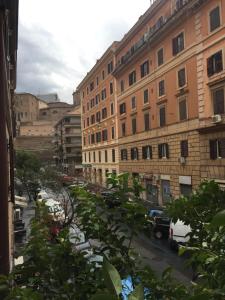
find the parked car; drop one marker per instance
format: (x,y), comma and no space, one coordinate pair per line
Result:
(110,199)
(42,195)
(159,223)
(178,234)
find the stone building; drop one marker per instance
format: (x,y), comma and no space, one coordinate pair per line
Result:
(35,123)
(54,111)
(169,79)
(51,97)
(76,98)
(8,64)
(99,131)
(67,142)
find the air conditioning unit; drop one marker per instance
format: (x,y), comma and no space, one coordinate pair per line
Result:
(216,119)
(182,160)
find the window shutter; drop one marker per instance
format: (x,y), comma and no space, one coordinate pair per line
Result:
(167,151)
(213,149)
(150,149)
(132,153)
(144,154)
(160,150)
(210,66)
(174,46)
(222,148)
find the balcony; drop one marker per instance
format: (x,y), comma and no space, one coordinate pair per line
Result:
(157,32)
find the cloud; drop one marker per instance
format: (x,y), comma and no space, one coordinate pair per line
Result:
(41,67)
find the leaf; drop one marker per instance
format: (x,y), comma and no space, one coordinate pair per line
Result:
(103,296)
(219,219)
(138,293)
(112,278)
(182,250)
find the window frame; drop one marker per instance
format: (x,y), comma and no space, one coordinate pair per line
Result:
(160,107)
(210,30)
(164,94)
(144,72)
(157,57)
(134,78)
(184,98)
(144,96)
(185,77)
(133,101)
(134,125)
(215,88)
(176,37)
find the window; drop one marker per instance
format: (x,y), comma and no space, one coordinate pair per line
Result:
(85,158)
(92,119)
(94,156)
(178,44)
(146,98)
(110,67)
(112,133)
(113,155)
(104,135)
(89,139)
(132,77)
(92,86)
(162,116)
(98,116)
(185,190)
(161,88)
(134,126)
(163,150)
(217,148)
(87,90)
(93,138)
(181,78)
(134,153)
(103,93)
(98,137)
(106,156)
(218,101)
(97,80)
(147,152)
(87,105)
(97,99)
(183,109)
(111,88)
(160,57)
(184,148)
(214,18)
(146,121)
(215,63)
(144,69)
(88,122)
(104,113)
(123,129)
(112,108)
(103,75)
(122,108)
(121,86)
(123,154)
(84,140)
(89,156)
(133,102)
(99,156)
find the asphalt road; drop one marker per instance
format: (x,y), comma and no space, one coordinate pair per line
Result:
(158,256)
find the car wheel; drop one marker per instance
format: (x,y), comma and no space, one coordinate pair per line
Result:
(158,235)
(173,245)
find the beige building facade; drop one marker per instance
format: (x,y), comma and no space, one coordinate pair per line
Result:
(99,113)
(67,143)
(169,82)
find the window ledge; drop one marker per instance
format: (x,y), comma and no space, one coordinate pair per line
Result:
(216,78)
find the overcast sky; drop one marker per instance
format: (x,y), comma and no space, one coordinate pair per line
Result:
(60,41)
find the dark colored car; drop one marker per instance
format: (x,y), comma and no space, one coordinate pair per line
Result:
(159,222)
(110,199)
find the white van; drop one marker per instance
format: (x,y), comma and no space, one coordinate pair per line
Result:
(178,234)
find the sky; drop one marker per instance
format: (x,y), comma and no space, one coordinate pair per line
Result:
(60,41)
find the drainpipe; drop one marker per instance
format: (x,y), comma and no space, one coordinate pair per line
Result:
(4,212)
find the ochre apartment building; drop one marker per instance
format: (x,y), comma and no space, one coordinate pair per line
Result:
(99,132)
(170,82)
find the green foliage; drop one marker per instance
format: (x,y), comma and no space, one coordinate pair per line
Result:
(112,278)
(204,212)
(28,172)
